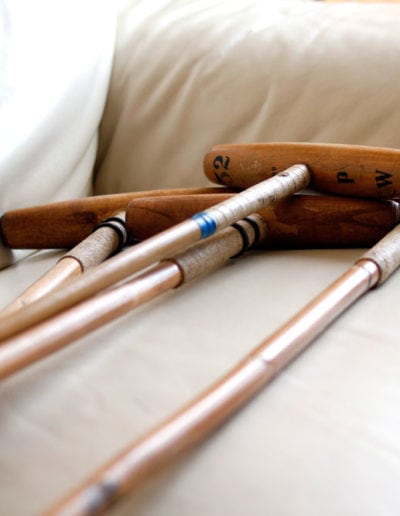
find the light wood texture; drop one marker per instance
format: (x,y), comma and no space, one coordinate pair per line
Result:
(350,170)
(62,225)
(300,221)
(55,333)
(193,423)
(156,248)
(62,272)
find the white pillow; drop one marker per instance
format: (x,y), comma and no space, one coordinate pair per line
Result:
(55,65)
(189,74)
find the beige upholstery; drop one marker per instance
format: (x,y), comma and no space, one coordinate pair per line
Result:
(323,438)
(54,71)
(240,71)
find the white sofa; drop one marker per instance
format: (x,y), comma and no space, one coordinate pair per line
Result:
(100,98)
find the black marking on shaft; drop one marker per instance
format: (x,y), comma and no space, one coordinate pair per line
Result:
(119,226)
(245,239)
(100,496)
(256,229)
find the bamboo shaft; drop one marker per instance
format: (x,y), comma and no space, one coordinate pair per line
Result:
(300,221)
(60,330)
(95,280)
(62,272)
(135,464)
(158,247)
(202,416)
(198,419)
(55,333)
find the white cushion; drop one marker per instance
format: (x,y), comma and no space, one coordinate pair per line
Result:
(54,73)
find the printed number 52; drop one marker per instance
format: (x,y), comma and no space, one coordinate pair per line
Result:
(222,162)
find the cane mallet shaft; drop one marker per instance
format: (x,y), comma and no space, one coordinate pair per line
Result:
(314,221)
(119,267)
(60,330)
(108,238)
(197,420)
(351,170)
(299,221)
(64,224)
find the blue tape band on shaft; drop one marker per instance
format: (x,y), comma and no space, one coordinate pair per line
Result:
(206,223)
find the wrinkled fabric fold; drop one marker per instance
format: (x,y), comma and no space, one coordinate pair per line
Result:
(55,66)
(189,75)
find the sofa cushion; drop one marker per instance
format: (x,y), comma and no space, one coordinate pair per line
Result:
(189,74)
(54,74)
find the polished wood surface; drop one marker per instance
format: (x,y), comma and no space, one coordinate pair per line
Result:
(350,170)
(62,225)
(300,221)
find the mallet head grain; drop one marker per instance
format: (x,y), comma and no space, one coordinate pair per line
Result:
(300,221)
(64,224)
(351,170)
